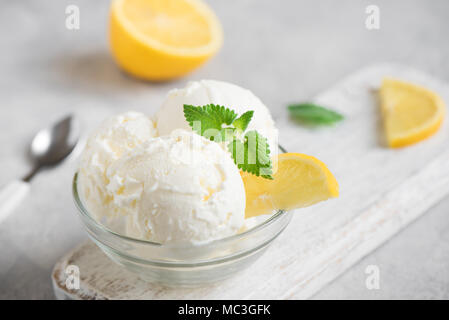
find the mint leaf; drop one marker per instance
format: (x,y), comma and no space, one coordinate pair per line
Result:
(242,122)
(210,116)
(252,155)
(312,114)
(218,123)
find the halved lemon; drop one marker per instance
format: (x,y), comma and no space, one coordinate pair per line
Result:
(410,113)
(300,181)
(162,39)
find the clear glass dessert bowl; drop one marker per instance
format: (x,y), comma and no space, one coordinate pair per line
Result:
(183,265)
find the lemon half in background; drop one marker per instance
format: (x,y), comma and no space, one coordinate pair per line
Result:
(162,39)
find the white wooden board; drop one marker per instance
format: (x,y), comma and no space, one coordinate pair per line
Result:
(381,191)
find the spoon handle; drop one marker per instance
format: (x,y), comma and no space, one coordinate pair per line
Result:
(10,197)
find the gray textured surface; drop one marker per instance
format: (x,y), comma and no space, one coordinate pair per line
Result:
(282,51)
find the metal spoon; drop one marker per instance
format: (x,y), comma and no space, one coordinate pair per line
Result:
(48,148)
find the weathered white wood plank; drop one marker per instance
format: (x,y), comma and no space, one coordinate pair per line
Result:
(382,190)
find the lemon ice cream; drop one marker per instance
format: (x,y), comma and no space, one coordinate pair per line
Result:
(179,188)
(160,181)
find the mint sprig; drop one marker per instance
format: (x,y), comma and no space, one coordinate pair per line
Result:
(312,114)
(250,151)
(252,155)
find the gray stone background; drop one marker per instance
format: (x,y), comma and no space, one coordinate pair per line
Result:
(283,51)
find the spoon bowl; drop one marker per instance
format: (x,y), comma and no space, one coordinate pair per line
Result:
(53,144)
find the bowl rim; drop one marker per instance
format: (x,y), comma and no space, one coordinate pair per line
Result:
(85,214)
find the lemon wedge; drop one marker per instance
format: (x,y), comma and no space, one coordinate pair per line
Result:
(410,113)
(162,39)
(299,181)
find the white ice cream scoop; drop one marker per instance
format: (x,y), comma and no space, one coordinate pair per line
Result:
(115,136)
(180,188)
(171,116)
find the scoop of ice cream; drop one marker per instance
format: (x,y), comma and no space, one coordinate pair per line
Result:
(179,188)
(171,115)
(110,141)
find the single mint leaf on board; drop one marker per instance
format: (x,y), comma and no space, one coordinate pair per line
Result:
(312,114)
(252,155)
(242,122)
(211,116)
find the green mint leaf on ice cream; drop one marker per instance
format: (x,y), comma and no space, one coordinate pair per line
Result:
(250,151)
(210,116)
(242,122)
(252,155)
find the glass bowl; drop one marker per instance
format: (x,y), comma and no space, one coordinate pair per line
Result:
(184,265)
